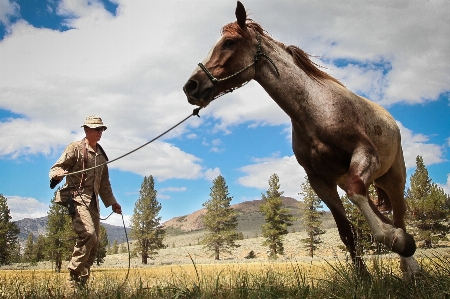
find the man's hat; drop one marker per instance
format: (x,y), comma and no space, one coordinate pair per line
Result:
(93,121)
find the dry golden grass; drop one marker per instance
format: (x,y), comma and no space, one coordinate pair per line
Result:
(291,279)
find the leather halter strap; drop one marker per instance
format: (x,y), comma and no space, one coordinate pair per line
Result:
(258,54)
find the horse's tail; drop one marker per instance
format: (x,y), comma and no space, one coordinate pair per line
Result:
(383,203)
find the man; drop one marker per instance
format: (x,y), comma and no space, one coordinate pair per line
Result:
(80,194)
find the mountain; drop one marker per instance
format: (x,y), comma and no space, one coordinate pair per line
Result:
(250,218)
(38,226)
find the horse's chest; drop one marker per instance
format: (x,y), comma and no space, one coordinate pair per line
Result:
(321,156)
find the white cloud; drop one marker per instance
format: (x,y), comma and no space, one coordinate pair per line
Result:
(291,174)
(7,10)
(446,187)
(23,141)
(173,189)
(364,80)
(192,136)
(130,68)
(116,219)
(415,144)
(26,207)
(211,174)
(160,159)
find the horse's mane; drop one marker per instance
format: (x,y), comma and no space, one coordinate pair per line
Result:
(301,58)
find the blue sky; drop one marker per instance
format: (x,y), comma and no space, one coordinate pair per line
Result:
(127,61)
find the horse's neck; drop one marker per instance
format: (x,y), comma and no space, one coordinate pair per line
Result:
(293,90)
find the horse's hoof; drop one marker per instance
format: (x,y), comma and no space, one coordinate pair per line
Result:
(410,246)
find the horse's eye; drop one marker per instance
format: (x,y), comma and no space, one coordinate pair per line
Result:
(228,43)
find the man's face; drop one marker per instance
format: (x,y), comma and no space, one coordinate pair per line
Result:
(94,134)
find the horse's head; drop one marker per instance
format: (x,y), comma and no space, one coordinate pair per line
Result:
(227,65)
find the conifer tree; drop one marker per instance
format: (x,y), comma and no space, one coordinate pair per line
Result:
(16,255)
(102,246)
(428,206)
(277,218)
(146,227)
(8,234)
(60,235)
(28,253)
(123,248)
(115,247)
(312,215)
(39,248)
(220,220)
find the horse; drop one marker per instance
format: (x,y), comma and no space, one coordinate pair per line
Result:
(339,138)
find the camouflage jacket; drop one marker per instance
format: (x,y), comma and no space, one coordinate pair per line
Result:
(96,180)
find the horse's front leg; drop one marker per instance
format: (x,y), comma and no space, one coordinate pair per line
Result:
(363,164)
(328,194)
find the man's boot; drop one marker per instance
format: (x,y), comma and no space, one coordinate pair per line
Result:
(73,283)
(84,277)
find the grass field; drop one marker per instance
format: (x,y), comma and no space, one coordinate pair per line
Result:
(326,279)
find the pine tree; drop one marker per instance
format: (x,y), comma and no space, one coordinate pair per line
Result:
(102,246)
(311,216)
(60,235)
(277,218)
(16,256)
(39,248)
(28,254)
(220,220)
(428,206)
(115,247)
(8,234)
(146,226)
(123,247)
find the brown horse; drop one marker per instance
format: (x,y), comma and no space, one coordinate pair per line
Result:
(338,137)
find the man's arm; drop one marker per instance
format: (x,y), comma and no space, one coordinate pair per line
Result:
(66,161)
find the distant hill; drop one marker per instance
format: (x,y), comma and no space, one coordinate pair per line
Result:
(250,218)
(38,226)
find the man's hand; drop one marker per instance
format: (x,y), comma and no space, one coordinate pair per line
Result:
(117,208)
(60,175)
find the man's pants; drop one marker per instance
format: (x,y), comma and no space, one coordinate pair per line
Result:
(86,225)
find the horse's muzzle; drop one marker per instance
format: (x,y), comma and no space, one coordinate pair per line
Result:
(199,94)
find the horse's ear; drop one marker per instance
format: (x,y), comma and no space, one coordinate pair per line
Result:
(241,15)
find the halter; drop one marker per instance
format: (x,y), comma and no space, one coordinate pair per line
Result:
(258,54)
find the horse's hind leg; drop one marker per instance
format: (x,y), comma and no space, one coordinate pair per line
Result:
(393,184)
(363,165)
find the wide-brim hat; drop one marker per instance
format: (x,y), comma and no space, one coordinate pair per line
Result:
(93,121)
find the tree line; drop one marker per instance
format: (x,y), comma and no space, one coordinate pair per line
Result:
(427,218)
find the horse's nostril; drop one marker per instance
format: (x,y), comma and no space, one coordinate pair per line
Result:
(190,87)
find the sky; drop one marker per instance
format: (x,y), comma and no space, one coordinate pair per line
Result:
(127,61)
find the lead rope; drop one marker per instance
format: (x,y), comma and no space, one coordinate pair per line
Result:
(194,112)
